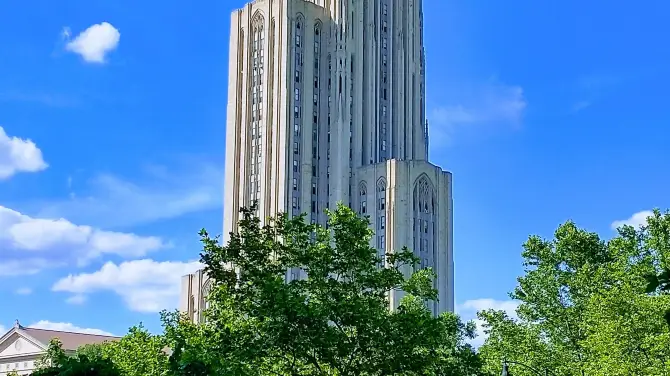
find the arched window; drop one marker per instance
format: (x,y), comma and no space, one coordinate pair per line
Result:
(257,111)
(381,194)
(424,221)
(381,185)
(206,289)
(363,199)
(425,199)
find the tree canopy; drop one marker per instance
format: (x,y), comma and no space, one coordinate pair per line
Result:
(334,321)
(589,306)
(56,362)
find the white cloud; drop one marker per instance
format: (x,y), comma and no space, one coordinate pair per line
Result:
(636,220)
(30,244)
(491,104)
(24,291)
(468,311)
(144,285)
(110,201)
(13,264)
(67,327)
(94,43)
(18,155)
(76,299)
(3,330)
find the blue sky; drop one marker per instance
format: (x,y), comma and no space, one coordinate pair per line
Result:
(111,154)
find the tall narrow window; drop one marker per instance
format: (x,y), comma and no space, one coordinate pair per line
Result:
(316,117)
(256,126)
(363,199)
(386,44)
(424,216)
(381,217)
(298,104)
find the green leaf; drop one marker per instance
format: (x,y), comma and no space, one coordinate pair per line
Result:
(652,283)
(334,320)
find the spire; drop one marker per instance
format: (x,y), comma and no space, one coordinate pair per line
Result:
(17,325)
(425,135)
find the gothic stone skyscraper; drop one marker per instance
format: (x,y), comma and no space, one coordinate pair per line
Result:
(326,103)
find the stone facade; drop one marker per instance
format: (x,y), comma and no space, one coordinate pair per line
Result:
(194,288)
(326,104)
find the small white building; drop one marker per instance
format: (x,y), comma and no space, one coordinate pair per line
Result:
(21,347)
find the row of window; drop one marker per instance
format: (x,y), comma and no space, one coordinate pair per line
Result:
(381,212)
(17,366)
(330,71)
(382,149)
(254,186)
(297,118)
(315,125)
(424,224)
(424,220)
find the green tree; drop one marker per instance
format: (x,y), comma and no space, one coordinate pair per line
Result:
(54,356)
(193,351)
(92,351)
(57,363)
(514,341)
(560,276)
(138,353)
(588,306)
(335,321)
(627,321)
(558,282)
(553,293)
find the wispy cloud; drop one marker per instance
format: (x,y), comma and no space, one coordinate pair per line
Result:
(468,311)
(491,104)
(24,291)
(581,105)
(597,82)
(67,327)
(591,88)
(636,220)
(22,266)
(94,43)
(109,200)
(76,299)
(42,98)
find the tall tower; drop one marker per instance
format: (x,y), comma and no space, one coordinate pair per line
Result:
(326,103)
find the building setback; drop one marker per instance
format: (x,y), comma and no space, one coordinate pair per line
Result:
(326,104)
